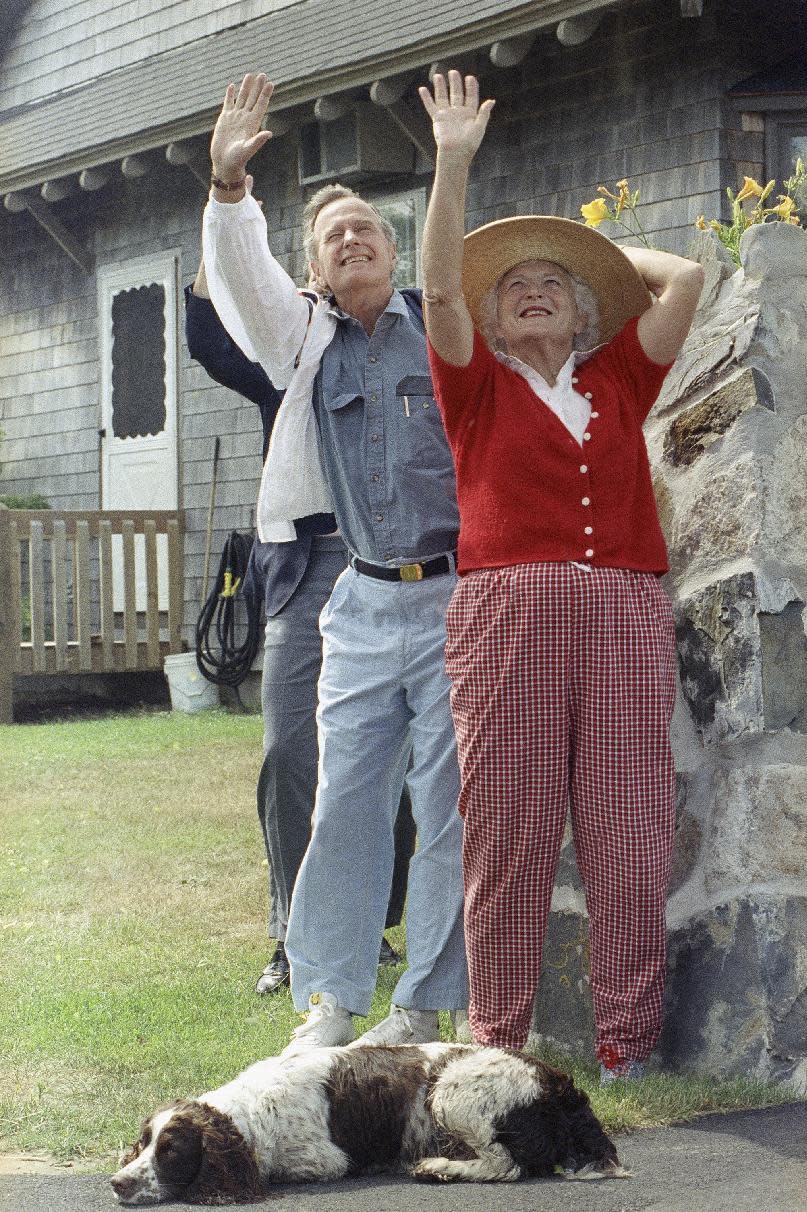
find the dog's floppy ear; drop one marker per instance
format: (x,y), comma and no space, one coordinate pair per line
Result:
(178,1147)
(147,1133)
(228,1172)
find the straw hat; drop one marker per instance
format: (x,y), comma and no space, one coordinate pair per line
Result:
(492,250)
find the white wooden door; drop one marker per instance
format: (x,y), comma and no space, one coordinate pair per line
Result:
(139,469)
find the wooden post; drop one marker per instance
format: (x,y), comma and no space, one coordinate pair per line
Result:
(152,603)
(16,591)
(58,572)
(9,616)
(105,594)
(36,581)
(83,595)
(129,594)
(176,584)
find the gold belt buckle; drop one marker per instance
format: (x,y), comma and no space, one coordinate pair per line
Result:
(411,572)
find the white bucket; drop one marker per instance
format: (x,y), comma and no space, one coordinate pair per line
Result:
(190,692)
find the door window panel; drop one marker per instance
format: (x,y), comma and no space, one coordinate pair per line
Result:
(138,362)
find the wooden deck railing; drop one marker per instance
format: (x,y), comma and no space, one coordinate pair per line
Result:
(58,612)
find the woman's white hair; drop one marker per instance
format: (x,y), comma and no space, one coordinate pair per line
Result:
(584,299)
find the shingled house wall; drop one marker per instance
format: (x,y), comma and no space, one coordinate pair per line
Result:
(641,98)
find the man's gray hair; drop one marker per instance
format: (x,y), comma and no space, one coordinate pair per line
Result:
(322,198)
(584,299)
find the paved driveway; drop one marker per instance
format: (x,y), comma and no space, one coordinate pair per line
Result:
(751,1161)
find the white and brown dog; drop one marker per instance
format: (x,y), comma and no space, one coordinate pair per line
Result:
(443,1112)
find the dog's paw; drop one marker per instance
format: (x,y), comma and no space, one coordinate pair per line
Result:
(594,1173)
(433,1170)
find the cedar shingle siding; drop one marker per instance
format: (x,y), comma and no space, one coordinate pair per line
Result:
(643,98)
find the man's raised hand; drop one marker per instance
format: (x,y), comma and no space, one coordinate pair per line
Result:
(237,134)
(458,120)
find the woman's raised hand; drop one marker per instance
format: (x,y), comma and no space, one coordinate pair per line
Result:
(237,134)
(458,120)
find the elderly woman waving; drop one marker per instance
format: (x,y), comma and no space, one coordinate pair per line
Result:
(547,355)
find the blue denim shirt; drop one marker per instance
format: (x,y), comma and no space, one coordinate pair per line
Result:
(385,451)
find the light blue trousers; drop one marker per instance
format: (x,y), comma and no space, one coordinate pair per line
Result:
(383,692)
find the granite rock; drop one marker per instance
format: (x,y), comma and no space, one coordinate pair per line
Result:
(774,252)
(736,1002)
(785,520)
(697,427)
(688,837)
(563,1012)
(719,654)
(721,335)
(757,831)
(568,875)
(784,667)
(717,517)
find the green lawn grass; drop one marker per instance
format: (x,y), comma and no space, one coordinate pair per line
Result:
(132,917)
(132,914)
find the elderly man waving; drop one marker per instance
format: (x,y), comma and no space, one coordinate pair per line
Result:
(359,353)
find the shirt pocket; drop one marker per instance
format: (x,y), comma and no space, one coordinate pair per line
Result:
(342,422)
(423,439)
(345,400)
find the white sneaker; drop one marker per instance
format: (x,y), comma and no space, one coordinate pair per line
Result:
(402,1026)
(328,1025)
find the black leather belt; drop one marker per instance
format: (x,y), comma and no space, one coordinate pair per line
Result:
(407,572)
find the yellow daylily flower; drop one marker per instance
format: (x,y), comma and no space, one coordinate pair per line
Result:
(701,224)
(750,189)
(624,196)
(785,208)
(594,212)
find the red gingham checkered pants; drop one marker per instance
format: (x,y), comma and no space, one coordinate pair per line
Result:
(563,682)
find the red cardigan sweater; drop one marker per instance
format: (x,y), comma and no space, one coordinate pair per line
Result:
(527,490)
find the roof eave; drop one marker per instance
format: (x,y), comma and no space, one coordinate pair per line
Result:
(304,91)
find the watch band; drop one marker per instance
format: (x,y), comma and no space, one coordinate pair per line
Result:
(227,186)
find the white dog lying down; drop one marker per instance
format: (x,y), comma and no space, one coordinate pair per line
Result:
(444,1112)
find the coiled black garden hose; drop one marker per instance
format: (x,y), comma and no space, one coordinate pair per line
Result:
(227,614)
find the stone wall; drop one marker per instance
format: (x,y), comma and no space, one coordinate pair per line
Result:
(727,444)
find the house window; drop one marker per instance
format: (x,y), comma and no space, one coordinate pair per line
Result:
(788,144)
(406,211)
(775,101)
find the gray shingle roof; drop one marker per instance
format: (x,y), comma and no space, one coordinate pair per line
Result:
(310,49)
